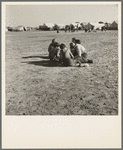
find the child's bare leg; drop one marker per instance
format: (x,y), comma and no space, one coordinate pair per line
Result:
(84,65)
(77,63)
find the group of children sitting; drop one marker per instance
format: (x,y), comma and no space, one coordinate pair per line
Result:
(74,56)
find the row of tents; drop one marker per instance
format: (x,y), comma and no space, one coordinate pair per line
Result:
(52,26)
(81,26)
(18,28)
(78,25)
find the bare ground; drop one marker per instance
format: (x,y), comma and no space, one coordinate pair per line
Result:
(35,86)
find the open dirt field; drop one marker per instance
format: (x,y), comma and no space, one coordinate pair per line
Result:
(35,86)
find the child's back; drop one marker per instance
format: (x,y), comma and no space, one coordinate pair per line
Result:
(66,57)
(55,53)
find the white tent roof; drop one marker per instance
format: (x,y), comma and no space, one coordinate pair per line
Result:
(19,28)
(97,25)
(49,24)
(79,25)
(75,24)
(61,25)
(84,23)
(115,22)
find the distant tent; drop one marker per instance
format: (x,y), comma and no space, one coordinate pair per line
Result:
(114,25)
(10,29)
(28,28)
(60,26)
(41,27)
(48,26)
(85,25)
(106,25)
(79,25)
(37,28)
(18,28)
(92,26)
(109,24)
(76,25)
(97,25)
(73,26)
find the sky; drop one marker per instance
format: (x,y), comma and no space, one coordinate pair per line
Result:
(35,15)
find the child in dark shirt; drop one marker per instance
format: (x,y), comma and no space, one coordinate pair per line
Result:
(51,46)
(55,52)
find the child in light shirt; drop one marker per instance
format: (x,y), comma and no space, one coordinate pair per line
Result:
(67,58)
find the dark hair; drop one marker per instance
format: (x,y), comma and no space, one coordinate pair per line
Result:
(74,39)
(53,40)
(62,46)
(71,45)
(56,44)
(78,41)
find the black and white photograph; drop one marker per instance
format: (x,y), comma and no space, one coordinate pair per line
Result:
(61,59)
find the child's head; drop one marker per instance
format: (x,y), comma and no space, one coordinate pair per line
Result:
(54,40)
(56,44)
(78,41)
(72,45)
(62,46)
(74,40)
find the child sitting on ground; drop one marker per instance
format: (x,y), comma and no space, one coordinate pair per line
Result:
(81,53)
(72,49)
(55,52)
(67,58)
(51,46)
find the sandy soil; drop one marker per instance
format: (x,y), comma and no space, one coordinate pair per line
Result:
(35,86)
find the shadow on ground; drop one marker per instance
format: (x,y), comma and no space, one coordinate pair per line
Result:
(44,57)
(45,63)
